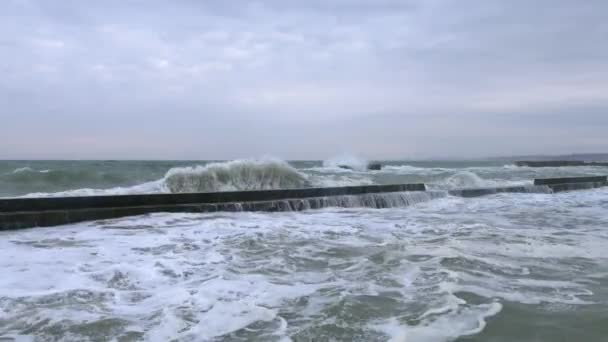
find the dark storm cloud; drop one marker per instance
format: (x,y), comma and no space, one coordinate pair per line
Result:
(301,79)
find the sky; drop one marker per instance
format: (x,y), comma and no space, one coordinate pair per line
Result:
(382,79)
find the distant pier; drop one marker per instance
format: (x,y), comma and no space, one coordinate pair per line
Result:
(18,213)
(557,163)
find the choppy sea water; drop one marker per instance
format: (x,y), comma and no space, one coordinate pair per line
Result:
(508,267)
(81,178)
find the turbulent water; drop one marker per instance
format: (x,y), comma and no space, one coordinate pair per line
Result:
(81,178)
(506,267)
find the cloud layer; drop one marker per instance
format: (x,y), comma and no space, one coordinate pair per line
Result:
(302,79)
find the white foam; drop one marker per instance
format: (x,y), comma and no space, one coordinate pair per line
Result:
(274,274)
(26,169)
(456,322)
(23,169)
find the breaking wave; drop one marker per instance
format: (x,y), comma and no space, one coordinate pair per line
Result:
(100,178)
(346,162)
(468,179)
(237,175)
(27,169)
(22,169)
(234,176)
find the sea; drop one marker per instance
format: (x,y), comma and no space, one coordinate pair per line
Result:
(504,267)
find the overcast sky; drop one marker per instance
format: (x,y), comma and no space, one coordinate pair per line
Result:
(302,79)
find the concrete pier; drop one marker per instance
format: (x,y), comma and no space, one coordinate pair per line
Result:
(570,180)
(17,213)
(42,212)
(558,163)
(477,192)
(541,185)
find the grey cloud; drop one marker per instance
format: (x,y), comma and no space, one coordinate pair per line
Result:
(301,79)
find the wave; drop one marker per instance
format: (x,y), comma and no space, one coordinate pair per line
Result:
(26,169)
(144,188)
(30,182)
(245,174)
(237,175)
(27,175)
(468,179)
(234,176)
(22,169)
(346,163)
(413,170)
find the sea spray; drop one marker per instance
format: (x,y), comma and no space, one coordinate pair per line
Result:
(346,162)
(466,179)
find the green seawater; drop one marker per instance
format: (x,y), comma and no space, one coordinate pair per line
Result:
(507,267)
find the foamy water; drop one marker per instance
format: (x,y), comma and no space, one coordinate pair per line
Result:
(509,267)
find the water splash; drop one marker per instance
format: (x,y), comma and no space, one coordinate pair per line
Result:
(248,174)
(346,162)
(466,179)
(375,201)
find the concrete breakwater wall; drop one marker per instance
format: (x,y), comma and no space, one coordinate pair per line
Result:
(570,180)
(541,185)
(41,212)
(477,192)
(557,163)
(18,213)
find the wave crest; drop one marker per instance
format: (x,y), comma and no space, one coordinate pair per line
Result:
(22,169)
(466,179)
(235,176)
(346,162)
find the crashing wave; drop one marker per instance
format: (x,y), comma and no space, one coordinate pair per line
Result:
(346,162)
(26,169)
(466,179)
(235,176)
